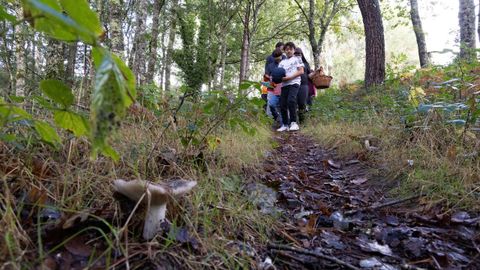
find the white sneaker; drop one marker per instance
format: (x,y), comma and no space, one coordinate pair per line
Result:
(294,126)
(283,128)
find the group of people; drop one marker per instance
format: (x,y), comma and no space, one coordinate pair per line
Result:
(287,86)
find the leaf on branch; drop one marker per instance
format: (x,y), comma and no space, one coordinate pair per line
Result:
(70,21)
(113,93)
(73,122)
(58,92)
(47,133)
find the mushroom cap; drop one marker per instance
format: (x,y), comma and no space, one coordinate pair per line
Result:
(159,192)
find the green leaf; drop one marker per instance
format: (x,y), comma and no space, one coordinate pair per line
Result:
(80,12)
(47,132)
(125,77)
(7,137)
(208,108)
(108,151)
(16,99)
(5,16)
(72,121)
(48,17)
(12,113)
(58,92)
(114,91)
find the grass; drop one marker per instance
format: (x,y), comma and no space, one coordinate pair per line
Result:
(444,168)
(217,213)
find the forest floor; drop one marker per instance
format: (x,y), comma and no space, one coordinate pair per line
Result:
(338,216)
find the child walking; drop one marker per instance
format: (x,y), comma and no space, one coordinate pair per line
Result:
(294,68)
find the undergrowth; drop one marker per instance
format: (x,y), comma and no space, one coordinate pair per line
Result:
(419,131)
(42,189)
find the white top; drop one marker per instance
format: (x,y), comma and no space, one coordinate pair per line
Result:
(291,66)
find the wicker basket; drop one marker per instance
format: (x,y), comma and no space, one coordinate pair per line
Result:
(320,80)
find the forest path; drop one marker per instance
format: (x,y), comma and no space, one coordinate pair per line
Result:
(335,211)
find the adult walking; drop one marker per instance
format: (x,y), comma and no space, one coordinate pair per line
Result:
(294,68)
(303,91)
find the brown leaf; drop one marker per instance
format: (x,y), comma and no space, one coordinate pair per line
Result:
(48,264)
(78,246)
(75,219)
(37,196)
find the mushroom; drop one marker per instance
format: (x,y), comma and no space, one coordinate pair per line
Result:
(156,199)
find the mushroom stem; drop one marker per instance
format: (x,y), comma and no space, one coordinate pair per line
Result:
(155,216)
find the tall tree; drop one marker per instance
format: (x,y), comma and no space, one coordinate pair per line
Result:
(374,42)
(466,17)
(20,43)
(71,61)
(153,45)
(328,10)
(115,27)
(419,34)
(251,9)
(55,68)
(137,56)
(171,40)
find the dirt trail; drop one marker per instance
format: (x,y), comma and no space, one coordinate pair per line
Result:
(335,212)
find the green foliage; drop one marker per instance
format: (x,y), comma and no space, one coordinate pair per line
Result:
(64,20)
(114,91)
(114,88)
(47,132)
(58,92)
(5,16)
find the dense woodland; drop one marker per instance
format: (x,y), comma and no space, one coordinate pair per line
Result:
(94,91)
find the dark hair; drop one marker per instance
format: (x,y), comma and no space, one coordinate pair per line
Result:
(277,53)
(279,44)
(290,45)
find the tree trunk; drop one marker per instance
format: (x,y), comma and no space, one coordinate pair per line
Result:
(223,58)
(115,23)
(71,61)
(478,30)
(54,67)
(20,59)
(140,42)
(152,60)
(466,17)
(245,46)
(419,34)
(171,40)
(374,42)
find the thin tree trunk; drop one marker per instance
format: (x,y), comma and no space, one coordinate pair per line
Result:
(115,23)
(244,55)
(157,6)
(419,34)
(71,61)
(54,67)
(171,41)
(140,42)
(20,58)
(223,57)
(374,42)
(466,16)
(478,29)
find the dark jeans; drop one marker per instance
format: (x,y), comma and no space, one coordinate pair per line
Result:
(264,97)
(288,103)
(302,102)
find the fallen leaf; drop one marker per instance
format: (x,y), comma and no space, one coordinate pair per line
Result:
(78,246)
(75,219)
(359,181)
